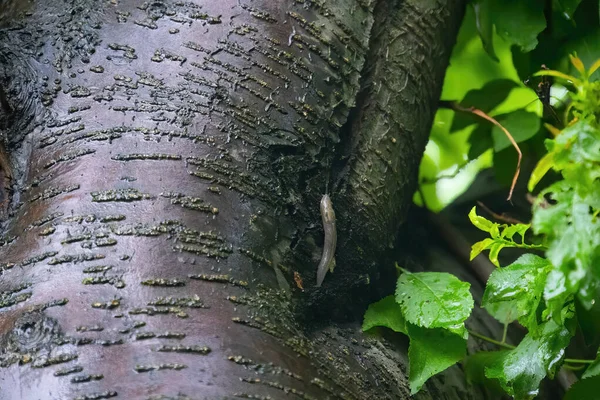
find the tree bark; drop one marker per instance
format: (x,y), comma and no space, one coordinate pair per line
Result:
(167,163)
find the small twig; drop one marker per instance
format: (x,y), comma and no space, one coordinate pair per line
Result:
(459,169)
(457,107)
(499,217)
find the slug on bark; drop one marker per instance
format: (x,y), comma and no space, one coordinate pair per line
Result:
(327,258)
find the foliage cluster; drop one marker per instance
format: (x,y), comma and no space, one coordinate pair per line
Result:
(551,290)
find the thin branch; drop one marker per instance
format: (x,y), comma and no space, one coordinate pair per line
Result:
(499,217)
(457,107)
(459,169)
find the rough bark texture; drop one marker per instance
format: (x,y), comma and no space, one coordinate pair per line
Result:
(386,137)
(168,162)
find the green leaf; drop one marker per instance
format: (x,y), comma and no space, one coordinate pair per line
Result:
(556,293)
(540,170)
(485,26)
(539,354)
(521,125)
(434,299)
(588,292)
(485,99)
(480,140)
(432,351)
(516,290)
(573,241)
(480,222)
(475,365)
(593,369)
(495,251)
(509,231)
(585,389)
(501,237)
(386,312)
(566,7)
(519,22)
(478,247)
(551,219)
(588,321)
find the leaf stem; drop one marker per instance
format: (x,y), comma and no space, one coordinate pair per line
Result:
(511,347)
(573,367)
(505,332)
(490,340)
(578,361)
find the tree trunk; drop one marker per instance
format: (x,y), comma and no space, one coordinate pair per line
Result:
(166,163)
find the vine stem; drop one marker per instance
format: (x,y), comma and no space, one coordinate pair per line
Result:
(511,347)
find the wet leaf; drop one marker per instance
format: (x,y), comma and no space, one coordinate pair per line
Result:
(515,291)
(585,389)
(475,365)
(387,313)
(539,354)
(434,299)
(432,351)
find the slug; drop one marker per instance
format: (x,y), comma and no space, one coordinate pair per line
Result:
(327,258)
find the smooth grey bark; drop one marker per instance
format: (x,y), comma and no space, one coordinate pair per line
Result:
(168,161)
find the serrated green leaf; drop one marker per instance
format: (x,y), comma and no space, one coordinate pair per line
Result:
(588,321)
(585,389)
(573,241)
(485,26)
(478,247)
(386,312)
(593,369)
(519,22)
(550,219)
(434,299)
(556,294)
(480,222)
(588,289)
(516,290)
(580,143)
(539,354)
(432,351)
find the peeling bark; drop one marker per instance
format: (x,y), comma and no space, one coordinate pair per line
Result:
(168,161)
